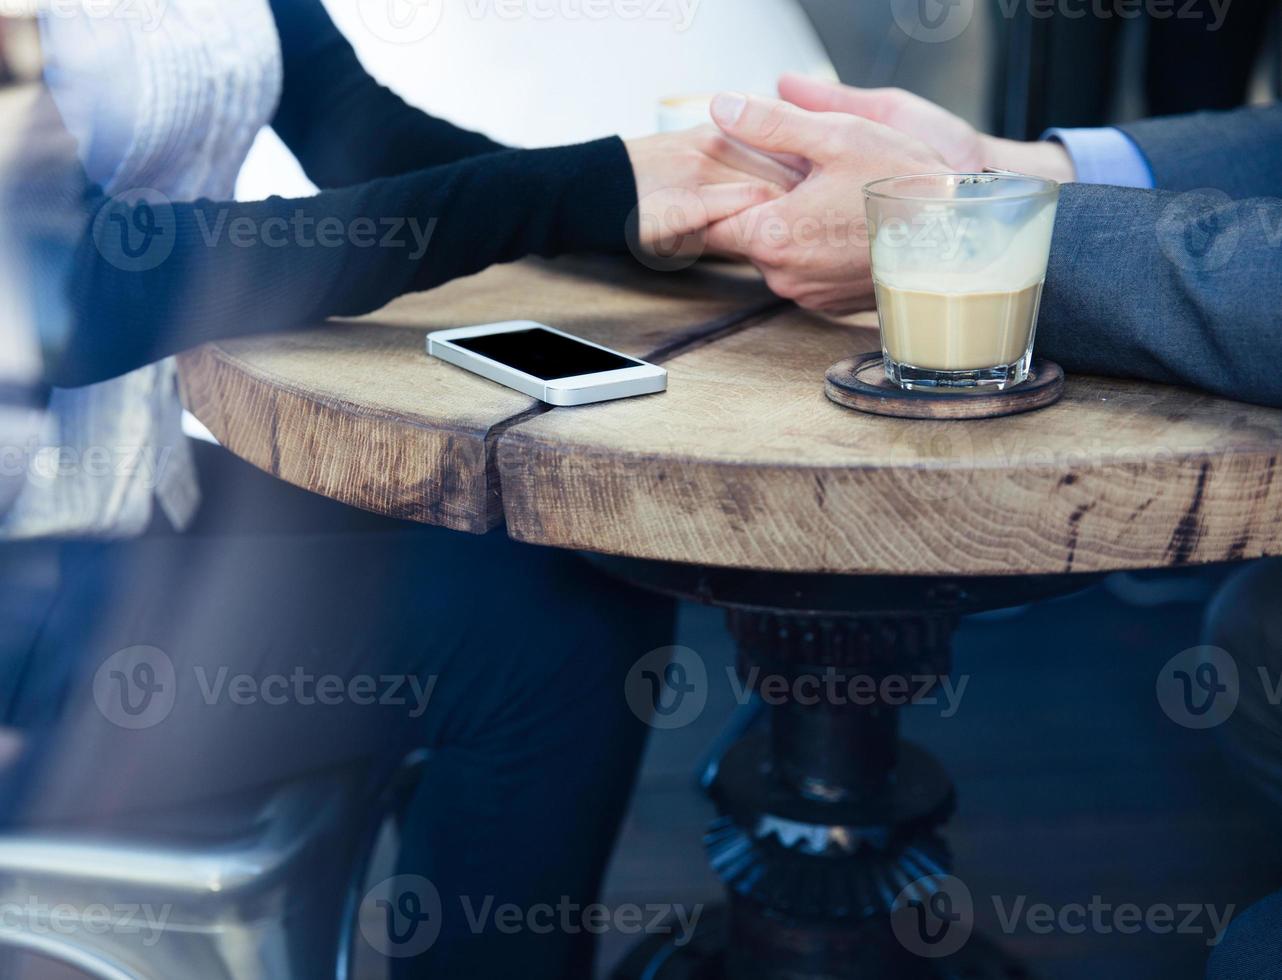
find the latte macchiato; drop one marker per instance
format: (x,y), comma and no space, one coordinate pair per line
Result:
(958,263)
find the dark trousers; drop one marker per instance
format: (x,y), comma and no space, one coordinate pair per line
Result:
(506,661)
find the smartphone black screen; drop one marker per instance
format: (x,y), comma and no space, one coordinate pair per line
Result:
(544,354)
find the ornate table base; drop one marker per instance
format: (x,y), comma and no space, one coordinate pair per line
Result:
(827,837)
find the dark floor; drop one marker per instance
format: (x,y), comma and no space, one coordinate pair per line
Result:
(1071,784)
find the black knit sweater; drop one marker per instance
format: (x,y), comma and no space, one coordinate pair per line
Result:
(407,202)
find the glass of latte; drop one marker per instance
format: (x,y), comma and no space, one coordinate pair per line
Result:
(958,263)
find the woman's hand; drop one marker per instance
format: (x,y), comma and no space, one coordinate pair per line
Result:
(689,180)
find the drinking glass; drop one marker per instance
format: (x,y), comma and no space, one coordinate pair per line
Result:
(680,112)
(958,264)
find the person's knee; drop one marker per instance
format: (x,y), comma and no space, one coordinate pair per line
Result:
(1245,617)
(577,658)
(1251,947)
(551,660)
(1245,620)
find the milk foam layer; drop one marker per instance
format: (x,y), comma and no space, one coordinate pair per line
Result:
(950,247)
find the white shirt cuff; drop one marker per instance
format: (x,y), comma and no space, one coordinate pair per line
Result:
(1104,156)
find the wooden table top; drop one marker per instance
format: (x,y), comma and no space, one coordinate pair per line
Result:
(743,462)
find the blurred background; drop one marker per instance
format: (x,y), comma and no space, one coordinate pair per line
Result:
(1016,68)
(1071,781)
(1014,75)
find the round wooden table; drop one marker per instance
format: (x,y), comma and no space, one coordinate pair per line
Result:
(842,545)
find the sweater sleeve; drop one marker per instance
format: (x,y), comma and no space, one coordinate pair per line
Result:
(149,278)
(343,126)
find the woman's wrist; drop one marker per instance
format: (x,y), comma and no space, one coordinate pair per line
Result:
(600,192)
(1044,158)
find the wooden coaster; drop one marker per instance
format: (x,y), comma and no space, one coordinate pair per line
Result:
(860,383)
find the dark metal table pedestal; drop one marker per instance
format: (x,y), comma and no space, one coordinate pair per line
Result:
(828,835)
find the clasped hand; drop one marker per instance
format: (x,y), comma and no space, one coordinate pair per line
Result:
(780,183)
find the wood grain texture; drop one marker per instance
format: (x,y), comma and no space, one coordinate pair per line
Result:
(745,463)
(356,411)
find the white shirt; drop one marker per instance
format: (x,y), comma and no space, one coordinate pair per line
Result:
(172,104)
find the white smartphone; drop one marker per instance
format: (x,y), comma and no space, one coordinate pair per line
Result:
(544,363)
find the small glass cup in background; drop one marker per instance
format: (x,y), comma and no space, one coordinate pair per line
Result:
(958,263)
(680,112)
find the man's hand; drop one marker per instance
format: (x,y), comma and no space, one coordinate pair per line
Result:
(812,243)
(958,142)
(688,180)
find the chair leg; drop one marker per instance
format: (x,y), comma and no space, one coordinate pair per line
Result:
(280,905)
(746,718)
(393,803)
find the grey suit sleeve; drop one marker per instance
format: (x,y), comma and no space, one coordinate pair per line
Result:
(1177,288)
(1237,152)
